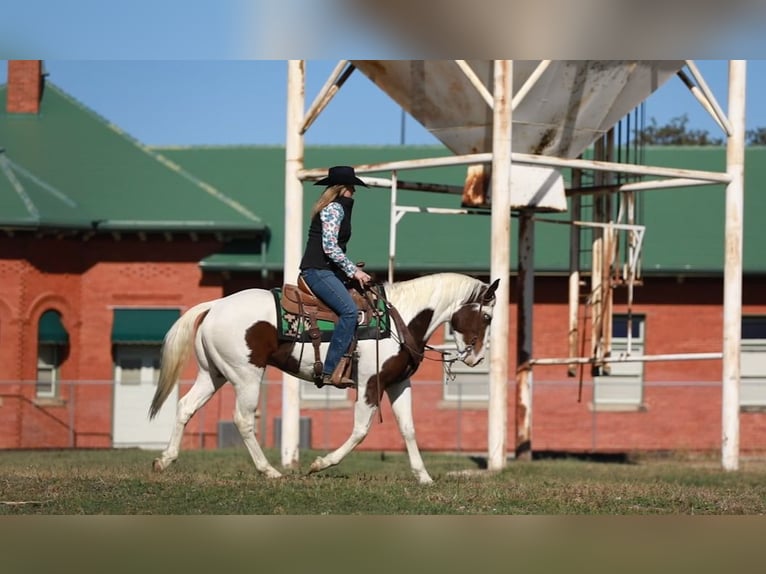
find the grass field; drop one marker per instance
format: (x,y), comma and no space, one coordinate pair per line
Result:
(224,482)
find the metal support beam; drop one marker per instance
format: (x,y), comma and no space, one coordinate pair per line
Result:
(497,416)
(393,220)
(574,335)
(708,100)
(465,67)
(532,80)
(296,95)
(626,358)
(530,159)
(732,272)
(334,83)
(525,288)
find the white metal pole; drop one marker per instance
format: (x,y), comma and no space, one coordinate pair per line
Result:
(465,67)
(296,94)
(533,78)
(393,220)
(732,274)
(497,416)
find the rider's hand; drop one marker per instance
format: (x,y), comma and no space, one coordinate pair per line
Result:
(362,277)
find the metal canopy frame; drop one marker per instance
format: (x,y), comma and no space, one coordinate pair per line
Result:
(501,159)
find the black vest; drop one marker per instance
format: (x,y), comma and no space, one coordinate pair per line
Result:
(314,256)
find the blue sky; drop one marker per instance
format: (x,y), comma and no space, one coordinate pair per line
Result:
(233,102)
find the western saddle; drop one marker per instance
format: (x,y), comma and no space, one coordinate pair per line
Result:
(301,301)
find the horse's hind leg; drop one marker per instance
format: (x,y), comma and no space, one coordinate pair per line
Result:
(400,396)
(362,422)
(203,388)
(248,391)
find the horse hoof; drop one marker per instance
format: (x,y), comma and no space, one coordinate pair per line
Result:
(273,473)
(316,466)
(157,465)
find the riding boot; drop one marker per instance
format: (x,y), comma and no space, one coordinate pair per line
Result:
(340,377)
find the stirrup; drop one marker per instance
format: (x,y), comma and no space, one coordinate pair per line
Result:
(340,383)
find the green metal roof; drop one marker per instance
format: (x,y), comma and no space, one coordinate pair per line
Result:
(684,226)
(67,167)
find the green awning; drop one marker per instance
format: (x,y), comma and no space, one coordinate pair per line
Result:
(238,262)
(240,255)
(142,325)
(51,331)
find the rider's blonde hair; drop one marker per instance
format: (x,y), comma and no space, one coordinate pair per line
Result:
(328,196)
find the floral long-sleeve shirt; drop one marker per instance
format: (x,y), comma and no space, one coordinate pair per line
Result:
(331,216)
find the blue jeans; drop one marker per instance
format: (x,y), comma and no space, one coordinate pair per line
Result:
(326,285)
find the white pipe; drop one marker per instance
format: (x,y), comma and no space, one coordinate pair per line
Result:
(497,410)
(530,83)
(662,184)
(394,220)
(718,114)
(296,89)
(441,210)
(732,272)
(627,359)
(325,95)
(529,159)
(476,82)
(609,166)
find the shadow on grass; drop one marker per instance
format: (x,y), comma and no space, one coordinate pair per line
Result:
(605,457)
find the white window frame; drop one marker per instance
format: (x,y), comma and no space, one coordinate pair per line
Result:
(623,387)
(753,364)
(470,384)
(327,394)
(147,355)
(49,365)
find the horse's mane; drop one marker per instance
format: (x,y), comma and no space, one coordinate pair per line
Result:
(430,290)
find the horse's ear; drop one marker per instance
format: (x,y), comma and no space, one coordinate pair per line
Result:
(489,294)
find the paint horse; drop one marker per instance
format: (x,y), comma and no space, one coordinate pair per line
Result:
(236,337)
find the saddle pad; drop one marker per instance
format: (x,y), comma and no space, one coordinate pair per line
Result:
(293,327)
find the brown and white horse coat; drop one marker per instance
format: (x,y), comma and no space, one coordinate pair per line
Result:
(235,338)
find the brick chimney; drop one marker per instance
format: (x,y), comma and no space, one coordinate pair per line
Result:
(25,86)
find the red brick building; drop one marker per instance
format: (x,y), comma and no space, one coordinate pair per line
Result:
(105,241)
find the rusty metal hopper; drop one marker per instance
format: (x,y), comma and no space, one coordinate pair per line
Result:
(567,105)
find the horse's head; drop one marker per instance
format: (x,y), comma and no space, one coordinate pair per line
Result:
(470,324)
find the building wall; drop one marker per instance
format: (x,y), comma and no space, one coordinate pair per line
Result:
(84,281)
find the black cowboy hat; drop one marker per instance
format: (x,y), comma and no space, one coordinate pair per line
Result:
(341,175)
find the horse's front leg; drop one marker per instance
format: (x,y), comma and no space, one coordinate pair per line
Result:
(362,421)
(400,395)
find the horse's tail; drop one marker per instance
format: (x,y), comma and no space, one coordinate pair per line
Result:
(175,351)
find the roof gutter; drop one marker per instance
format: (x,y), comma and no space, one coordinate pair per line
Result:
(144,225)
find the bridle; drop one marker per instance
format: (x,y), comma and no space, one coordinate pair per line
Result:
(447,357)
(461,355)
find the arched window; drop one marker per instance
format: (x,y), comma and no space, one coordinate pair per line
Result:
(52,341)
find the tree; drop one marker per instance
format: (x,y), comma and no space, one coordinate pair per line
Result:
(756,136)
(676,133)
